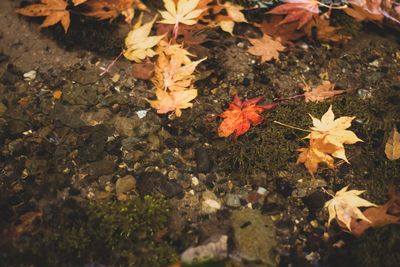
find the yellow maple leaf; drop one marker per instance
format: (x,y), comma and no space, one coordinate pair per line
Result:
(138,42)
(234,15)
(172,74)
(173,101)
(321,92)
(315,154)
(344,206)
(183,12)
(266,47)
(54,10)
(334,132)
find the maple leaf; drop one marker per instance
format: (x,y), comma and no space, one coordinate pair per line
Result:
(284,33)
(266,47)
(183,12)
(381,215)
(54,10)
(234,14)
(171,73)
(240,115)
(173,101)
(138,42)
(392,146)
(333,132)
(365,10)
(325,32)
(297,10)
(321,93)
(344,206)
(110,9)
(78,2)
(315,154)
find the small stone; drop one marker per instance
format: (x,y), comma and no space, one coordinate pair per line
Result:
(214,249)
(125,184)
(195,181)
(141,113)
(30,75)
(173,175)
(210,203)
(261,191)
(232,200)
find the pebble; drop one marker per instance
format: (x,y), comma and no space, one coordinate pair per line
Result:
(195,181)
(232,200)
(30,75)
(125,184)
(210,203)
(214,249)
(261,191)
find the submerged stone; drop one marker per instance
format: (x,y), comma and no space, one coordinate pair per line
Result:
(254,236)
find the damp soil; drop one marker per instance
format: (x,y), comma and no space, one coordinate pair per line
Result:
(97,178)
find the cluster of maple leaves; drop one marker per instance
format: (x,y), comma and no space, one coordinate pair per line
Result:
(172,74)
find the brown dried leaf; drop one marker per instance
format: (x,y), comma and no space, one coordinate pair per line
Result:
(322,92)
(392,147)
(379,216)
(325,32)
(54,10)
(266,47)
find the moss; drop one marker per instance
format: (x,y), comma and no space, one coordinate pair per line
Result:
(377,247)
(111,233)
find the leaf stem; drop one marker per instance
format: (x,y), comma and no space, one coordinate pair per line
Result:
(292,127)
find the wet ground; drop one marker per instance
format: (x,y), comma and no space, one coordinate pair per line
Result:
(91,176)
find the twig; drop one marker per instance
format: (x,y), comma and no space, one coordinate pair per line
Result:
(112,64)
(292,127)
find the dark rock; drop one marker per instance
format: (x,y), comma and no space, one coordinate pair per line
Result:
(95,144)
(68,115)
(102,167)
(315,201)
(202,160)
(154,182)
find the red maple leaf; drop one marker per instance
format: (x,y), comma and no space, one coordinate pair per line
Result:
(240,115)
(297,10)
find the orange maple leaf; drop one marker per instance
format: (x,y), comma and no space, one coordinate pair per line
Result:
(322,92)
(297,10)
(266,47)
(325,32)
(240,115)
(110,9)
(173,101)
(54,10)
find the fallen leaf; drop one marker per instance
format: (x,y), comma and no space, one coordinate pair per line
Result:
(392,146)
(266,47)
(334,132)
(297,10)
(317,153)
(365,10)
(110,9)
(78,2)
(321,93)
(344,206)
(54,10)
(184,12)
(138,42)
(325,32)
(234,14)
(173,101)
(171,73)
(284,33)
(379,216)
(143,71)
(240,115)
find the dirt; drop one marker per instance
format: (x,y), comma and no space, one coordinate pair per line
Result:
(79,169)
